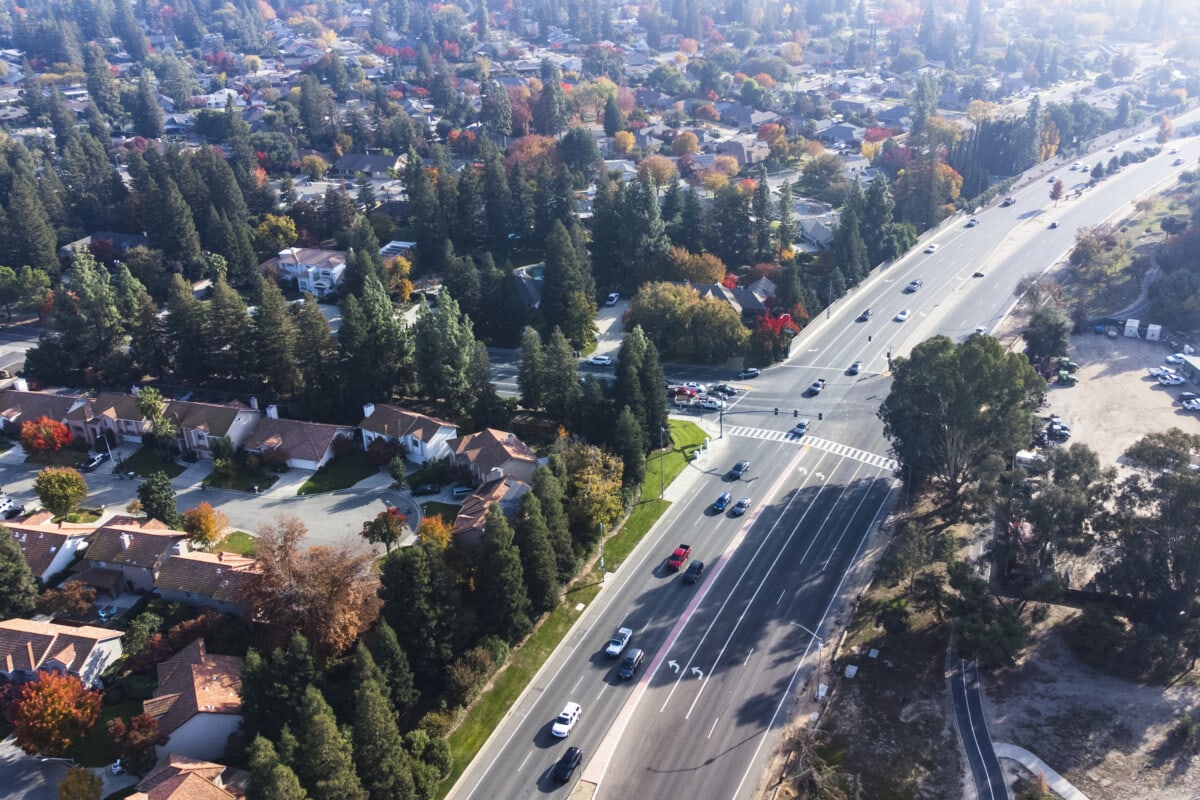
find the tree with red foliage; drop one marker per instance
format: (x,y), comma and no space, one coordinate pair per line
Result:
(771,336)
(53,712)
(386,529)
(133,742)
(45,435)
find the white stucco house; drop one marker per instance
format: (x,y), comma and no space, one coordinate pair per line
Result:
(424,438)
(198,702)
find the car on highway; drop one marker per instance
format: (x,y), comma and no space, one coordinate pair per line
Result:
(617,643)
(694,571)
(1112,148)
(739,469)
(1175,358)
(1008,201)
(855,368)
(712,404)
(865,315)
(750,372)
(816,387)
(566,766)
(630,664)
(933,248)
(902,315)
(721,503)
(682,553)
(972,222)
(1054,225)
(600,361)
(423,489)
(1075,166)
(1052,179)
(801,427)
(566,720)
(740,507)
(90,464)
(613,299)
(1173,151)
(725,389)
(913,285)
(1177,162)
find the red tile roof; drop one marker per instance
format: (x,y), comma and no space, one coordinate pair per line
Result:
(174,764)
(192,682)
(138,544)
(490,448)
(27,645)
(221,576)
(185,786)
(307,441)
(43,540)
(396,422)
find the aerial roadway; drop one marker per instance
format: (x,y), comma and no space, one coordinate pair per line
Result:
(729,658)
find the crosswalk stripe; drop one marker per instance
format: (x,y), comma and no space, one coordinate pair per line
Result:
(837,448)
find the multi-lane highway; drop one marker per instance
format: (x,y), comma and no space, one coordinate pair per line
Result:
(730,658)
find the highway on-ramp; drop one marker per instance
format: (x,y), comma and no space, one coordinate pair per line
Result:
(731,658)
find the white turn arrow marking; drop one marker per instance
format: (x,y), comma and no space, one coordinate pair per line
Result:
(699,673)
(674,665)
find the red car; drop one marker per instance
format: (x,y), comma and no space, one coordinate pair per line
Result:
(679,557)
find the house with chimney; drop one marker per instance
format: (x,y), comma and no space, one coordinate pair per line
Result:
(48,547)
(127,554)
(198,702)
(113,414)
(28,647)
(199,423)
(178,777)
(423,438)
(301,445)
(207,580)
(18,406)
(504,491)
(317,272)
(490,454)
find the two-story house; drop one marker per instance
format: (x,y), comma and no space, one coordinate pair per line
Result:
(178,777)
(113,414)
(424,438)
(490,454)
(198,702)
(18,406)
(317,272)
(199,423)
(211,580)
(28,647)
(126,555)
(49,547)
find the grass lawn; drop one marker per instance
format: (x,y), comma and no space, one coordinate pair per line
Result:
(92,749)
(146,462)
(238,542)
(67,457)
(84,515)
(447,511)
(242,480)
(340,473)
(487,712)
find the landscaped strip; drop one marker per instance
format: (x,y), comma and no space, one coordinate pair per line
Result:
(488,711)
(340,473)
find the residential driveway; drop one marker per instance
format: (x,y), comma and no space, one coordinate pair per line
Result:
(331,518)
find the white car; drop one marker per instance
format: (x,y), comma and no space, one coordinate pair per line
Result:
(613,299)
(600,361)
(1172,380)
(1192,405)
(1076,166)
(1159,372)
(566,720)
(902,316)
(712,404)
(1173,150)
(698,387)
(1177,358)
(933,248)
(618,642)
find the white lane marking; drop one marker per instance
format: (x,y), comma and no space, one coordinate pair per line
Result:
(713,728)
(747,661)
(781,594)
(525,761)
(576,686)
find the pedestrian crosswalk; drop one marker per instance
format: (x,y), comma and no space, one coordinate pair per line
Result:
(845,451)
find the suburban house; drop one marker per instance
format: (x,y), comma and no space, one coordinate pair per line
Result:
(28,647)
(306,445)
(197,703)
(18,407)
(111,413)
(490,453)
(843,133)
(529,283)
(746,302)
(373,165)
(423,438)
(49,547)
(317,272)
(747,152)
(199,423)
(126,555)
(469,525)
(212,580)
(178,777)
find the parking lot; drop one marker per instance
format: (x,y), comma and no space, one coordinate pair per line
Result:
(1116,402)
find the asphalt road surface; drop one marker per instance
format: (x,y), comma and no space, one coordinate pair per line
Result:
(731,658)
(972,727)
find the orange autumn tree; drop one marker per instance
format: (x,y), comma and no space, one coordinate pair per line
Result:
(435,529)
(45,435)
(53,712)
(205,525)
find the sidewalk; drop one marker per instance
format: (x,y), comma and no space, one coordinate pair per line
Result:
(1057,783)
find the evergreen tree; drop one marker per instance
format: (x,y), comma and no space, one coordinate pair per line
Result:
(273,687)
(538,563)
(500,587)
(149,349)
(562,377)
(488,410)
(496,111)
(851,252)
(175,230)
(728,229)
(531,371)
(550,108)
(760,208)
(317,354)
(420,597)
(375,352)
(378,749)
(270,779)
(425,216)
(275,342)
(690,235)
(444,345)
(230,338)
(18,589)
(126,26)
(147,115)
(568,291)
(549,491)
(324,761)
(629,443)
(461,279)
(614,117)
(877,221)
(787,223)
(393,665)
(30,237)
(496,199)
(157,497)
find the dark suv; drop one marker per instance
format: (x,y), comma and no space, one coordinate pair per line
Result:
(739,469)
(630,664)
(566,765)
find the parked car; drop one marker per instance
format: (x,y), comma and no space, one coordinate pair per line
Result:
(600,361)
(613,299)
(459,492)
(1172,380)
(722,502)
(108,612)
(11,510)
(694,386)
(749,372)
(740,507)
(913,285)
(90,464)
(902,315)
(694,571)
(1192,405)
(1176,358)
(739,469)
(565,768)
(423,489)
(566,720)
(618,642)
(1158,372)
(678,558)
(1185,396)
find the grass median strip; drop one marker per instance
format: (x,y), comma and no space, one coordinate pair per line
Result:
(488,711)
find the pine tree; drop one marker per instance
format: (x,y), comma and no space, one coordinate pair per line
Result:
(496,111)
(273,687)
(630,445)
(531,371)
(378,749)
(538,563)
(787,223)
(420,603)
(275,342)
(176,230)
(324,761)
(149,348)
(550,108)
(317,352)
(850,249)
(425,216)
(496,199)
(18,589)
(270,779)
(147,116)
(230,337)
(444,345)
(691,223)
(549,491)
(500,588)
(877,220)
(568,292)
(562,377)
(393,665)
(488,410)
(760,208)
(157,497)
(187,323)
(614,117)
(31,239)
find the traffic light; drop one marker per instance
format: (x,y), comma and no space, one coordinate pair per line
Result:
(820,416)
(795,412)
